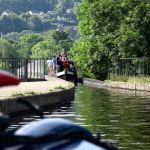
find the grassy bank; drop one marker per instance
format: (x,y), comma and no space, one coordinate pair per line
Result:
(131,79)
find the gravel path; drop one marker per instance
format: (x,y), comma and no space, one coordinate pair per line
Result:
(39,87)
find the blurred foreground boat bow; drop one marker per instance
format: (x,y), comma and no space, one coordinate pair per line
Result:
(7,78)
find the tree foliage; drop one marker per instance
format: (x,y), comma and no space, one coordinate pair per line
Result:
(26,43)
(33,45)
(54,42)
(7,49)
(19,6)
(112,29)
(12,23)
(36,15)
(45,49)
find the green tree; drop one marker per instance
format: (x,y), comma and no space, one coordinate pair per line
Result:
(35,24)
(134,37)
(80,53)
(112,29)
(59,35)
(53,43)
(4,24)
(14,36)
(62,39)
(62,5)
(7,49)
(72,33)
(45,49)
(26,43)
(19,6)
(12,23)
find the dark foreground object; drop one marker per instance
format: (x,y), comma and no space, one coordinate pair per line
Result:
(52,134)
(48,134)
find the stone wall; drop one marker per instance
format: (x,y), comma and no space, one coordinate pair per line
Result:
(129,86)
(119,85)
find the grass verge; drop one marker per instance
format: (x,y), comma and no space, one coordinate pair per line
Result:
(140,79)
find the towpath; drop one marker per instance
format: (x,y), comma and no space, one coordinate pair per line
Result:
(39,87)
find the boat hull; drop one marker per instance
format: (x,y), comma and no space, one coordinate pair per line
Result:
(67,75)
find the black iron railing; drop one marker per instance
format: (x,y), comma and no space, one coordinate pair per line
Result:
(130,67)
(24,69)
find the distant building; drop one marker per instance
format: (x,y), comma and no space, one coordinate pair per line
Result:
(30,12)
(61,18)
(54,13)
(5,13)
(69,11)
(37,13)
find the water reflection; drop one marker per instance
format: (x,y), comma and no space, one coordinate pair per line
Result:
(123,117)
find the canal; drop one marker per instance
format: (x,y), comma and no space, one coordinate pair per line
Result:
(119,115)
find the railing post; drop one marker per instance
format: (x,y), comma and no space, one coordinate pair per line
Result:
(26,69)
(108,68)
(44,67)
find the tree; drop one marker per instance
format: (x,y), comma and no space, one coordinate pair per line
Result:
(62,5)
(80,54)
(7,49)
(19,6)
(45,49)
(53,43)
(59,35)
(134,30)
(12,23)
(61,38)
(14,36)
(112,29)
(72,33)
(5,21)
(26,43)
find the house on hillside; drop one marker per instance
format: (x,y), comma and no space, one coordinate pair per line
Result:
(39,14)
(69,11)
(5,13)
(61,18)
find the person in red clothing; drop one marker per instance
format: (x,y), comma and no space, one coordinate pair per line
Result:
(65,63)
(64,55)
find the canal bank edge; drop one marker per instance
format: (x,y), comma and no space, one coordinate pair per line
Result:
(10,105)
(56,91)
(116,84)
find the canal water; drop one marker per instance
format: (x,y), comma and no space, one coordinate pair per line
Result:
(119,115)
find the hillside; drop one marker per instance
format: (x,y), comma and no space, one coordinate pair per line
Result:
(36,15)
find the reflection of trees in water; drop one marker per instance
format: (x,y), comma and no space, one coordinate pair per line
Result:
(123,117)
(132,93)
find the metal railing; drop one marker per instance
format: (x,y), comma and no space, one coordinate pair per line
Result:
(130,67)
(24,69)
